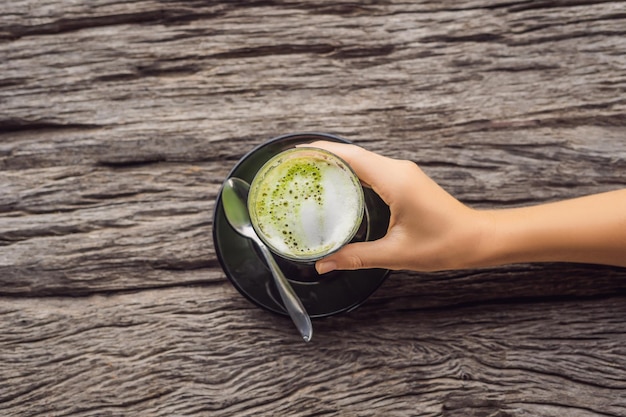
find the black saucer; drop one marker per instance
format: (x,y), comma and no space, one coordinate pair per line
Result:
(325,295)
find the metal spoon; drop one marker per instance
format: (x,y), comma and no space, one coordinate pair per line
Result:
(234,200)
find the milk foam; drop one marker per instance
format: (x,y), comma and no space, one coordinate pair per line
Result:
(306,204)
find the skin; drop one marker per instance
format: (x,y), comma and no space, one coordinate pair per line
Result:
(430,230)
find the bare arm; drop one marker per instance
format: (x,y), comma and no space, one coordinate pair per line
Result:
(589,229)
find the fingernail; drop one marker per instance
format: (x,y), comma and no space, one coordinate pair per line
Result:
(325,267)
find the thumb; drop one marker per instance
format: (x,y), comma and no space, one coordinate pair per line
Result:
(359,255)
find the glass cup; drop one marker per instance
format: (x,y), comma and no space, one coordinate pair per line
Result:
(306,203)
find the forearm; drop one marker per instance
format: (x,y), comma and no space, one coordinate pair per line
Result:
(589,229)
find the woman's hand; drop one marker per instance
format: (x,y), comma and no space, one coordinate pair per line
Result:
(430,230)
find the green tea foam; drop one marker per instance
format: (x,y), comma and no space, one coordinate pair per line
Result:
(305,203)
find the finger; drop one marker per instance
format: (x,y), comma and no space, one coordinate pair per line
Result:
(370,167)
(359,255)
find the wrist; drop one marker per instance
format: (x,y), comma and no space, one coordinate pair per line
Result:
(471,243)
(507,237)
(484,249)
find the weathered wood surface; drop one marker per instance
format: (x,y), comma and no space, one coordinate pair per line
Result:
(119,121)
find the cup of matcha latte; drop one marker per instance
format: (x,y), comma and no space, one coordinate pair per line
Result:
(305,203)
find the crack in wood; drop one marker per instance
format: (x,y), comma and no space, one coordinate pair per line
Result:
(275,50)
(23,125)
(61,26)
(551,4)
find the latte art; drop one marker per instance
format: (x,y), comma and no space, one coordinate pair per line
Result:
(305,203)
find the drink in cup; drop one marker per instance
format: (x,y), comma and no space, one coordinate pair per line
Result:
(305,203)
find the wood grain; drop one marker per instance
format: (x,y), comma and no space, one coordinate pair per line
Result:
(205,351)
(120,120)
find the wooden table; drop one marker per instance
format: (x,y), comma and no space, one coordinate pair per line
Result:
(120,120)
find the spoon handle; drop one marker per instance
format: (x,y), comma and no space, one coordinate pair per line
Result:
(292,303)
